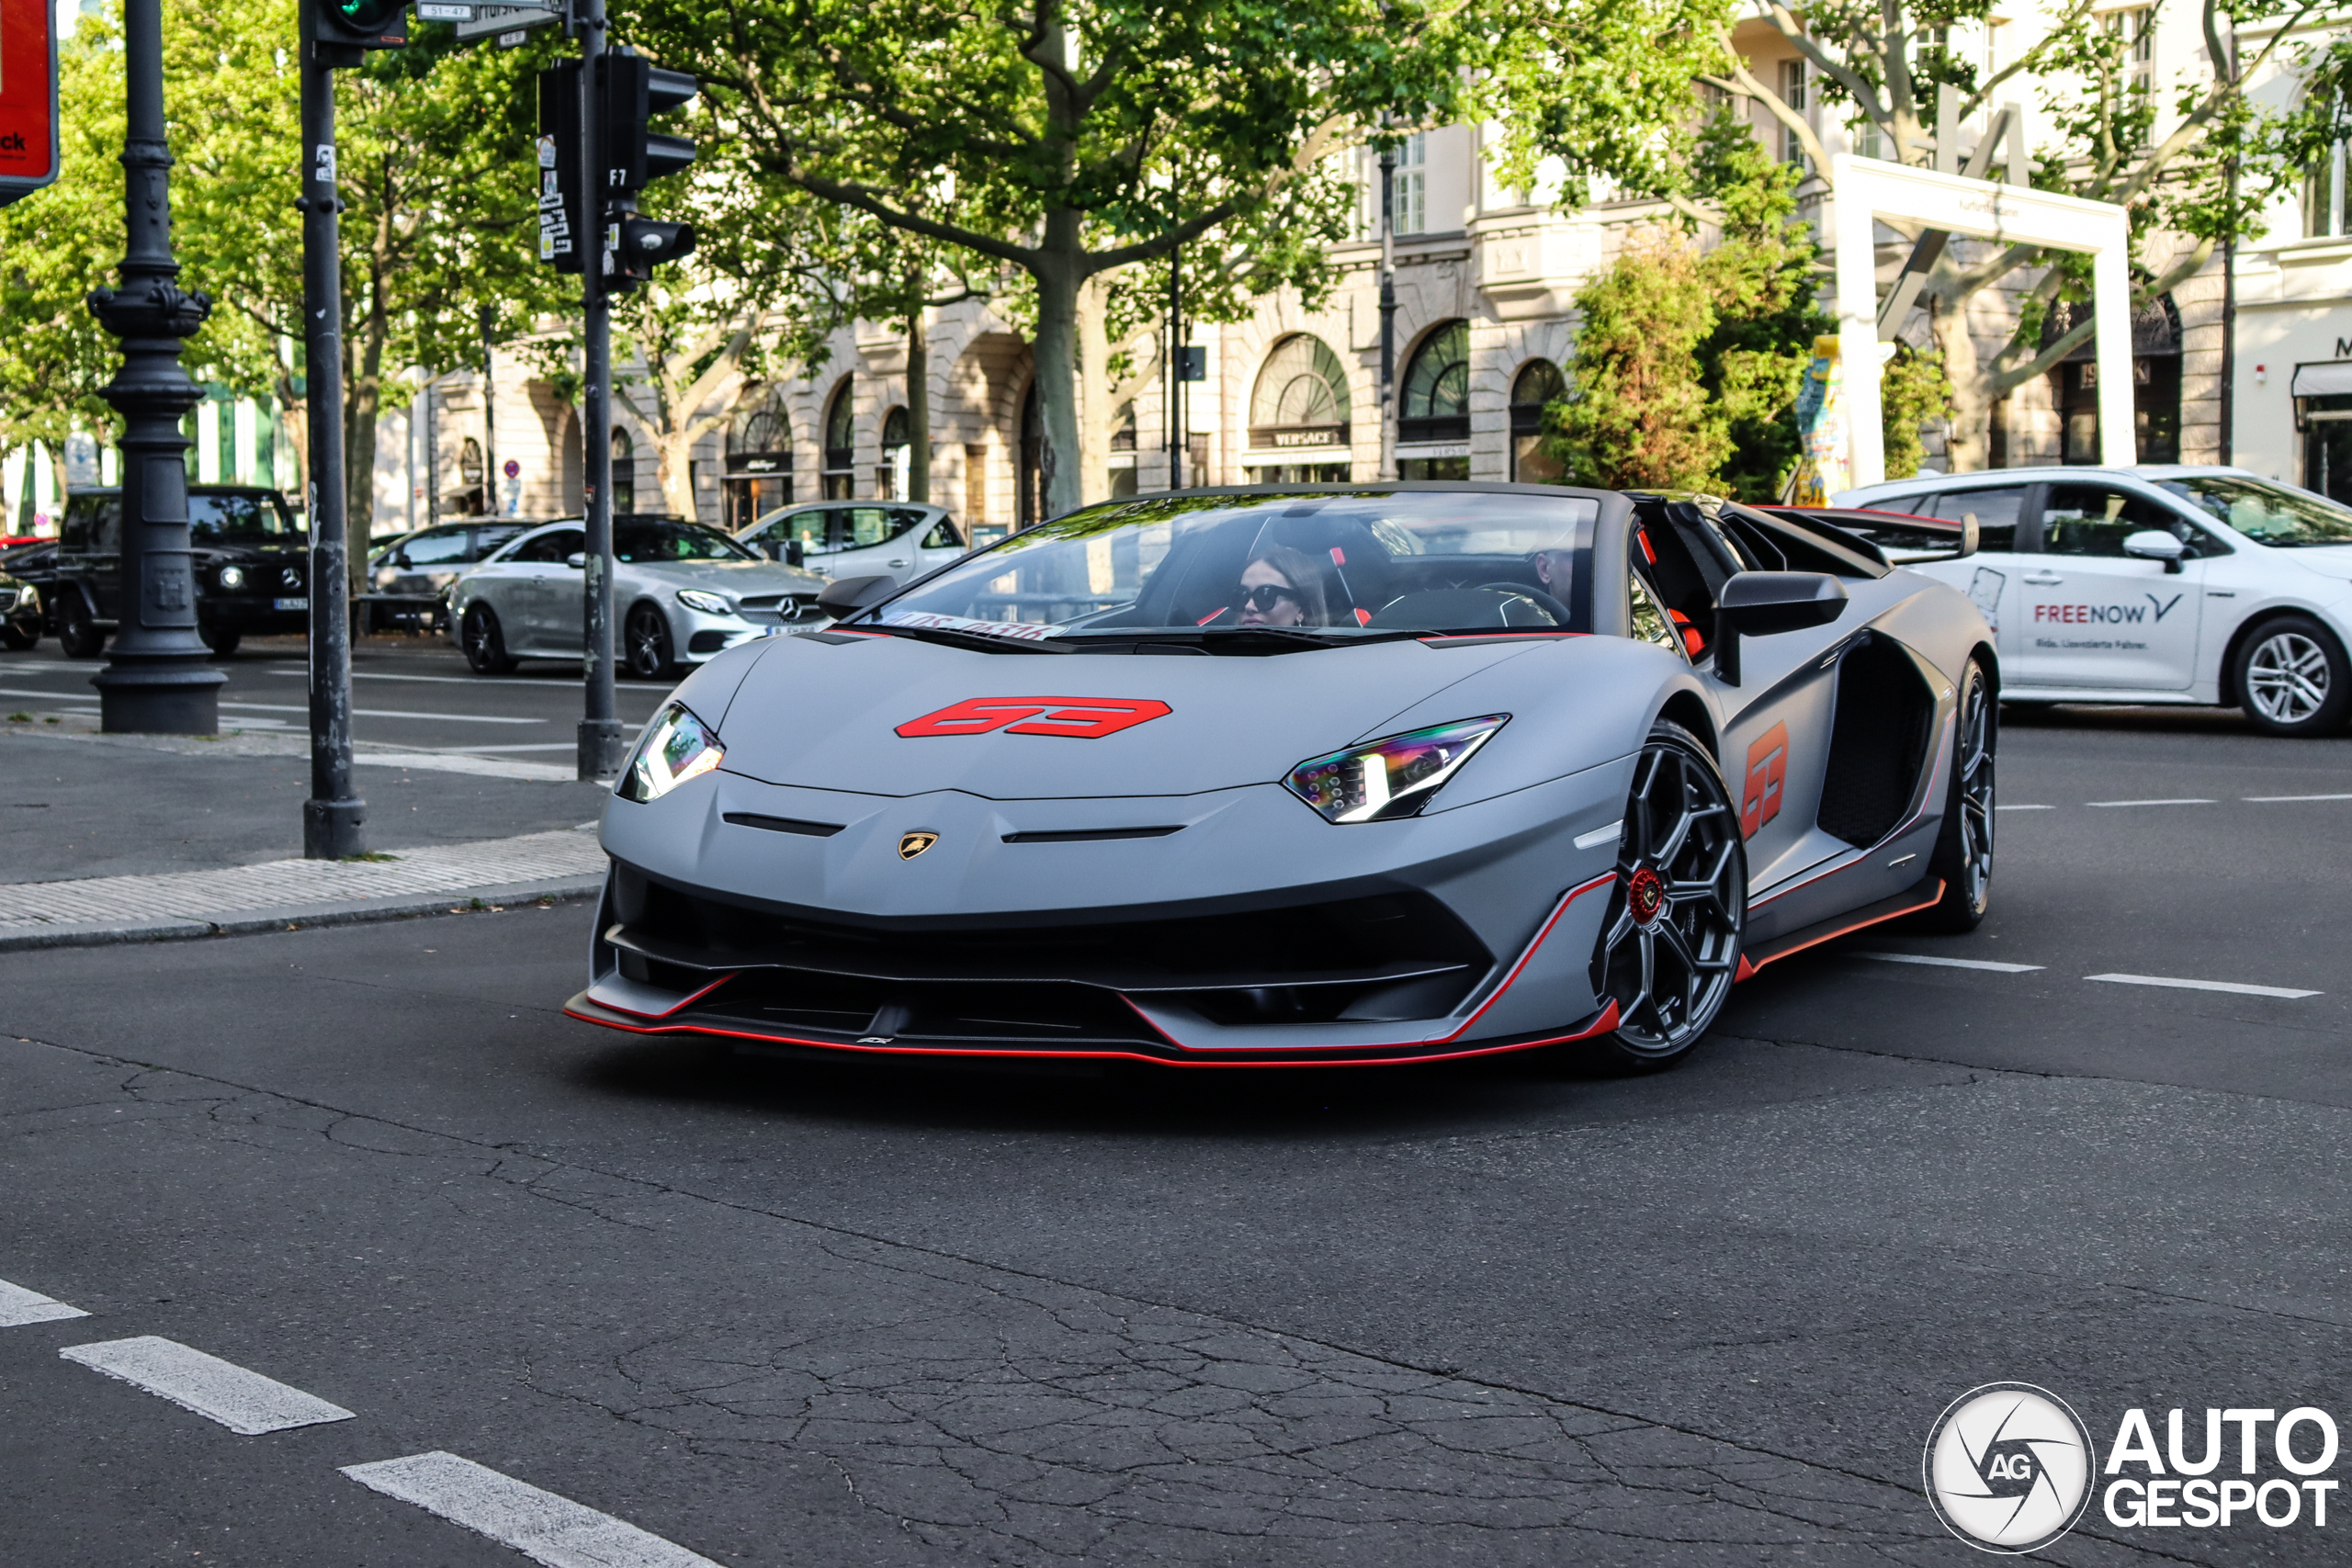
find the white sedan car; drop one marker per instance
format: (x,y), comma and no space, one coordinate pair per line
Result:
(681,592)
(2159,583)
(900,540)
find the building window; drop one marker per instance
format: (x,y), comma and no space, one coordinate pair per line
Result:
(623,471)
(896,471)
(1437,387)
(1036,464)
(470,498)
(2323,196)
(1413,185)
(2135,34)
(1538,386)
(759,461)
(840,444)
(1793,93)
(1122,477)
(1301,399)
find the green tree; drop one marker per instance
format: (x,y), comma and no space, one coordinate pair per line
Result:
(1636,416)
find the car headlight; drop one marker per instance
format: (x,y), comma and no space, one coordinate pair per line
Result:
(233,577)
(1393,777)
(675,747)
(709,603)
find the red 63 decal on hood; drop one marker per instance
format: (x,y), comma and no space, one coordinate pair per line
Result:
(1083,718)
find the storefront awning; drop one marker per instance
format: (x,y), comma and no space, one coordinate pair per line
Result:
(2326,379)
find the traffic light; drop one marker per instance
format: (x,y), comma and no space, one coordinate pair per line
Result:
(362,24)
(635,154)
(564,224)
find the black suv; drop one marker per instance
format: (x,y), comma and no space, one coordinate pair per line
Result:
(252,566)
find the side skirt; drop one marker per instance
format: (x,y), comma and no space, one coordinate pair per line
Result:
(1909,902)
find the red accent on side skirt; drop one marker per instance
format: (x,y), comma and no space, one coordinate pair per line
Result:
(1772,951)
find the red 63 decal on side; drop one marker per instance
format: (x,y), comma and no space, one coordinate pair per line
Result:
(1083,718)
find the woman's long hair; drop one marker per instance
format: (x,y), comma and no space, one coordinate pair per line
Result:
(1304,576)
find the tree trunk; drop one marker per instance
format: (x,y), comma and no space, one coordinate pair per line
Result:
(1972,387)
(918,405)
(1057,268)
(362,401)
(1094,388)
(673,459)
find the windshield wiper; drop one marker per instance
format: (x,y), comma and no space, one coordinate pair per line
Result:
(978,641)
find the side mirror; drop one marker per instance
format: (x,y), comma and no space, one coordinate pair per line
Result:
(2155,544)
(794,554)
(577,560)
(1765,603)
(850,594)
(1970,535)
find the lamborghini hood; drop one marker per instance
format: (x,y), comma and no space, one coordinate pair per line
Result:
(890,716)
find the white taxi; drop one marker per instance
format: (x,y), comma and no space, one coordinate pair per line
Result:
(2159,583)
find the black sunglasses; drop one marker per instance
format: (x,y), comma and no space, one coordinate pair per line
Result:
(1266,595)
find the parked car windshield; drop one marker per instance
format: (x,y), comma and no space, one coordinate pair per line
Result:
(2266,513)
(1335,566)
(254,517)
(642,541)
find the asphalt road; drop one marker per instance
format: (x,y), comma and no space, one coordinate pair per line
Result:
(1490,1313)
(406,691)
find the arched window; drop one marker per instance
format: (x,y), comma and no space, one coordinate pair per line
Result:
(897,454)
(840,444)
(2324,195)
(1437,387)
(624,472)
(1300,405)
(2155,382)
(470,501)
(759,459)
(1537,385)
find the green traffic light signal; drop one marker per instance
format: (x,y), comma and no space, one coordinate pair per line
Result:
(374,16)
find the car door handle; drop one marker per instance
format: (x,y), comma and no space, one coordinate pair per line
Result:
(2044,581)
(898,563)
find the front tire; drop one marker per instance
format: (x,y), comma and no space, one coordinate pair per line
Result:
(1963,856)
(647,639)
(77,634)
(16,638)
(484,642)
(1670,944)
(2293,678)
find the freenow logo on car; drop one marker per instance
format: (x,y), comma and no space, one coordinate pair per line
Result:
(2155,609)
(1078,718)
(2010,1468)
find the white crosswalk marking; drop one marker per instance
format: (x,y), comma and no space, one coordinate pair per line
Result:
(1950,962)
(19,1306)
(2178,985)
(245,1401)
(543,1527)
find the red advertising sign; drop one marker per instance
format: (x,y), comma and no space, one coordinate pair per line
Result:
(28,97)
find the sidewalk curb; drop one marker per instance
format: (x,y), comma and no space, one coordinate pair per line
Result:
(254,922)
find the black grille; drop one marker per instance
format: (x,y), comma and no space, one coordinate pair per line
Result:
(1877,744)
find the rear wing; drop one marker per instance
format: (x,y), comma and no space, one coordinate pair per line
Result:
(1899,539)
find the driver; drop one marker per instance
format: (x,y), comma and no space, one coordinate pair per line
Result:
(1551,571)
(1283,587)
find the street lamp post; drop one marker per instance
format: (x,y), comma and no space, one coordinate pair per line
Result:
(157,679)
(1387,312)
(600,727)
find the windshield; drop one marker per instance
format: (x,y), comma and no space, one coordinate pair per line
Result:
(638,542)
(1307,565)
(2266,513)
(254,517)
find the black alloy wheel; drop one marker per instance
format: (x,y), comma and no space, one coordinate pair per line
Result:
(1963,856)
(222,640)
(17,637)
(2293,678)
(484,643)
(647,642)
(1670,944)
(77,634)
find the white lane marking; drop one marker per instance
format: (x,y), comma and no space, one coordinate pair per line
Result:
(543,1527)
(551,684)
(462,763)
(527,746)
(1601,835)
(2201,985)
(19,1306)
(2272,799)
(245,1401)
(1948,963)
(2186,801)
(2025,808)
(52,697)
(392,713)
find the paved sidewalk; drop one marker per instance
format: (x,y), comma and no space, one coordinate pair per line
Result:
(233,900)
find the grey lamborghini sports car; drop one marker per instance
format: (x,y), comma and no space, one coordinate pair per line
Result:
(1307,775)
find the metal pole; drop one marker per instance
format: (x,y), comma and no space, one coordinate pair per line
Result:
(488,417)
(332,816)
(156,678)
(1168,410)
(2229,409)
(1177,431)
(600,727)
(1387,313)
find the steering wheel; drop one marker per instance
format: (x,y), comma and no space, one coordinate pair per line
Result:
(1558,610)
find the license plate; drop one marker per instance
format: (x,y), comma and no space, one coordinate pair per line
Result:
(289,603)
